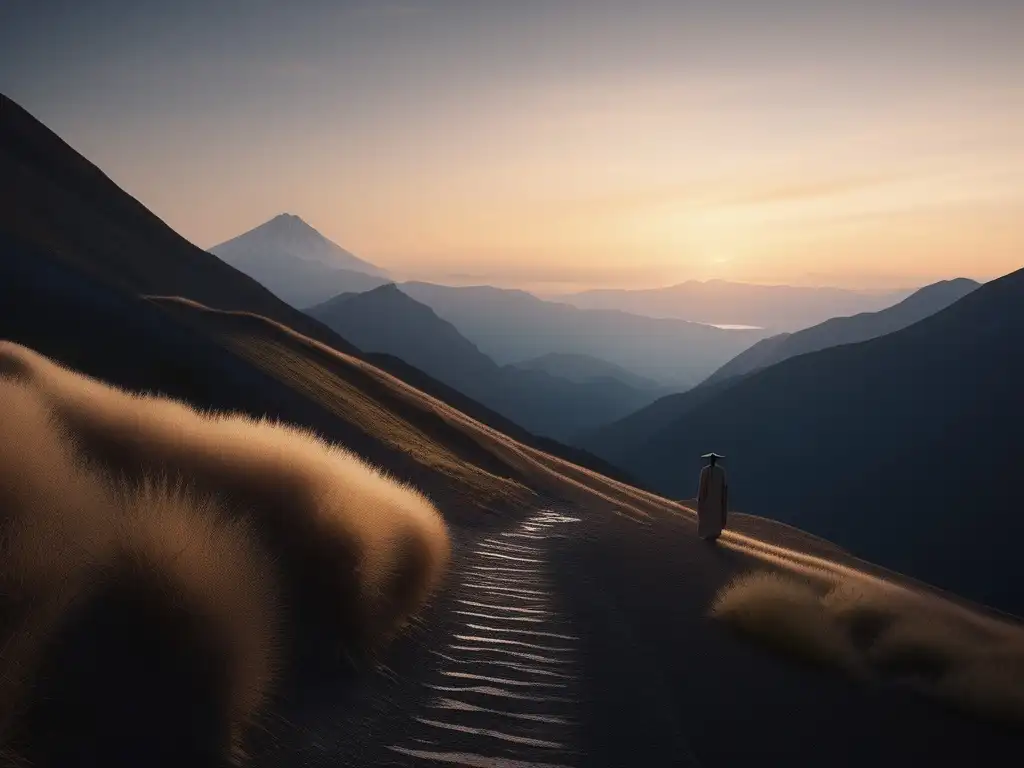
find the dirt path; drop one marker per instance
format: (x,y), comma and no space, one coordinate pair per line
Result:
(580,639)
(505,688)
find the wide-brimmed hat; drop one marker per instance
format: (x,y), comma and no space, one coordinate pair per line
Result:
(712,456)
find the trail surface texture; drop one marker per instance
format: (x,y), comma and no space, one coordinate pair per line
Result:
(568,638)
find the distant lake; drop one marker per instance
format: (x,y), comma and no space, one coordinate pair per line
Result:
(735,327)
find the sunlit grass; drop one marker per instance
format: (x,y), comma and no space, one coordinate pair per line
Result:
(885,634)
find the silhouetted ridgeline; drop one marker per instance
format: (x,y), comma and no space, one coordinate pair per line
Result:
(57,206)
(387,320)
(846,330)
(905,449)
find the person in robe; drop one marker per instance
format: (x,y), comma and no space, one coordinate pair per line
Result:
(712,499)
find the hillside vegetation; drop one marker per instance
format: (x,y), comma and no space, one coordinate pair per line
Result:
(186,560)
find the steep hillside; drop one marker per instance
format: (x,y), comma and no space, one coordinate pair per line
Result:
(512,326)
(847,330)
(65,226)
(617,440)
(905,449)
(54,199)
(387,320)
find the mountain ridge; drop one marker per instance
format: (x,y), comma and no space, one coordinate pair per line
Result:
(387,320)
(922,421)
(512,326)
(56,206)
(778,308)
(922,303)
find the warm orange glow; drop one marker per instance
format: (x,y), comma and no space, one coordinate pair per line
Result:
(630,199)
(556,148)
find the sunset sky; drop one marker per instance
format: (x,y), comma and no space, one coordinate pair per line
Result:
(558,144)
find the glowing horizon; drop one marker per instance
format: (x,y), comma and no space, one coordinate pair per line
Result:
(559,145)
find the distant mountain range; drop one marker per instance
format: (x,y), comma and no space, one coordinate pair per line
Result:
(847,330)
(719,302)
(77,256)
(297,263)
(906,449)
(620,438)
(514,326)
(387,320)
(303,268)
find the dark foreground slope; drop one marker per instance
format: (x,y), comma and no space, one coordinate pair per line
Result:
(651,678)
(578,637)
(53,198)
(242,362)
(906,449)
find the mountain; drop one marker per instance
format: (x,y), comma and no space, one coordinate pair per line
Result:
(512,326)
(63,220)
(905,449)
(614,575)
(719,302)
(387,320)
(53,199)
(297,263)
(847,330)
(617,438)
(586,368)
(290,239)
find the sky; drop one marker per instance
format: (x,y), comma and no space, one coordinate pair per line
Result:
(558,145)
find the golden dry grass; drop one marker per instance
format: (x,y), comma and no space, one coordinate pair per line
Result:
(225,547)
(787,615)
(887,633)
(97,581)
(344,532)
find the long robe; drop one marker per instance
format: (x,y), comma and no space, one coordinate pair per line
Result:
(712,502)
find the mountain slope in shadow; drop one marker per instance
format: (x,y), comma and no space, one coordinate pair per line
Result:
(54,199)
(513,326)
(586,368)
(387,320)
(906,449)
(847,330)
(615,441)
(63,220)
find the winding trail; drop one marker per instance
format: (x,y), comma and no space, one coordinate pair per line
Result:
(505,690)
(580,638)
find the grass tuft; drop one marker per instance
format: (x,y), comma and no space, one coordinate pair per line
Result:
(162,570)
(885,634)
(787,615)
